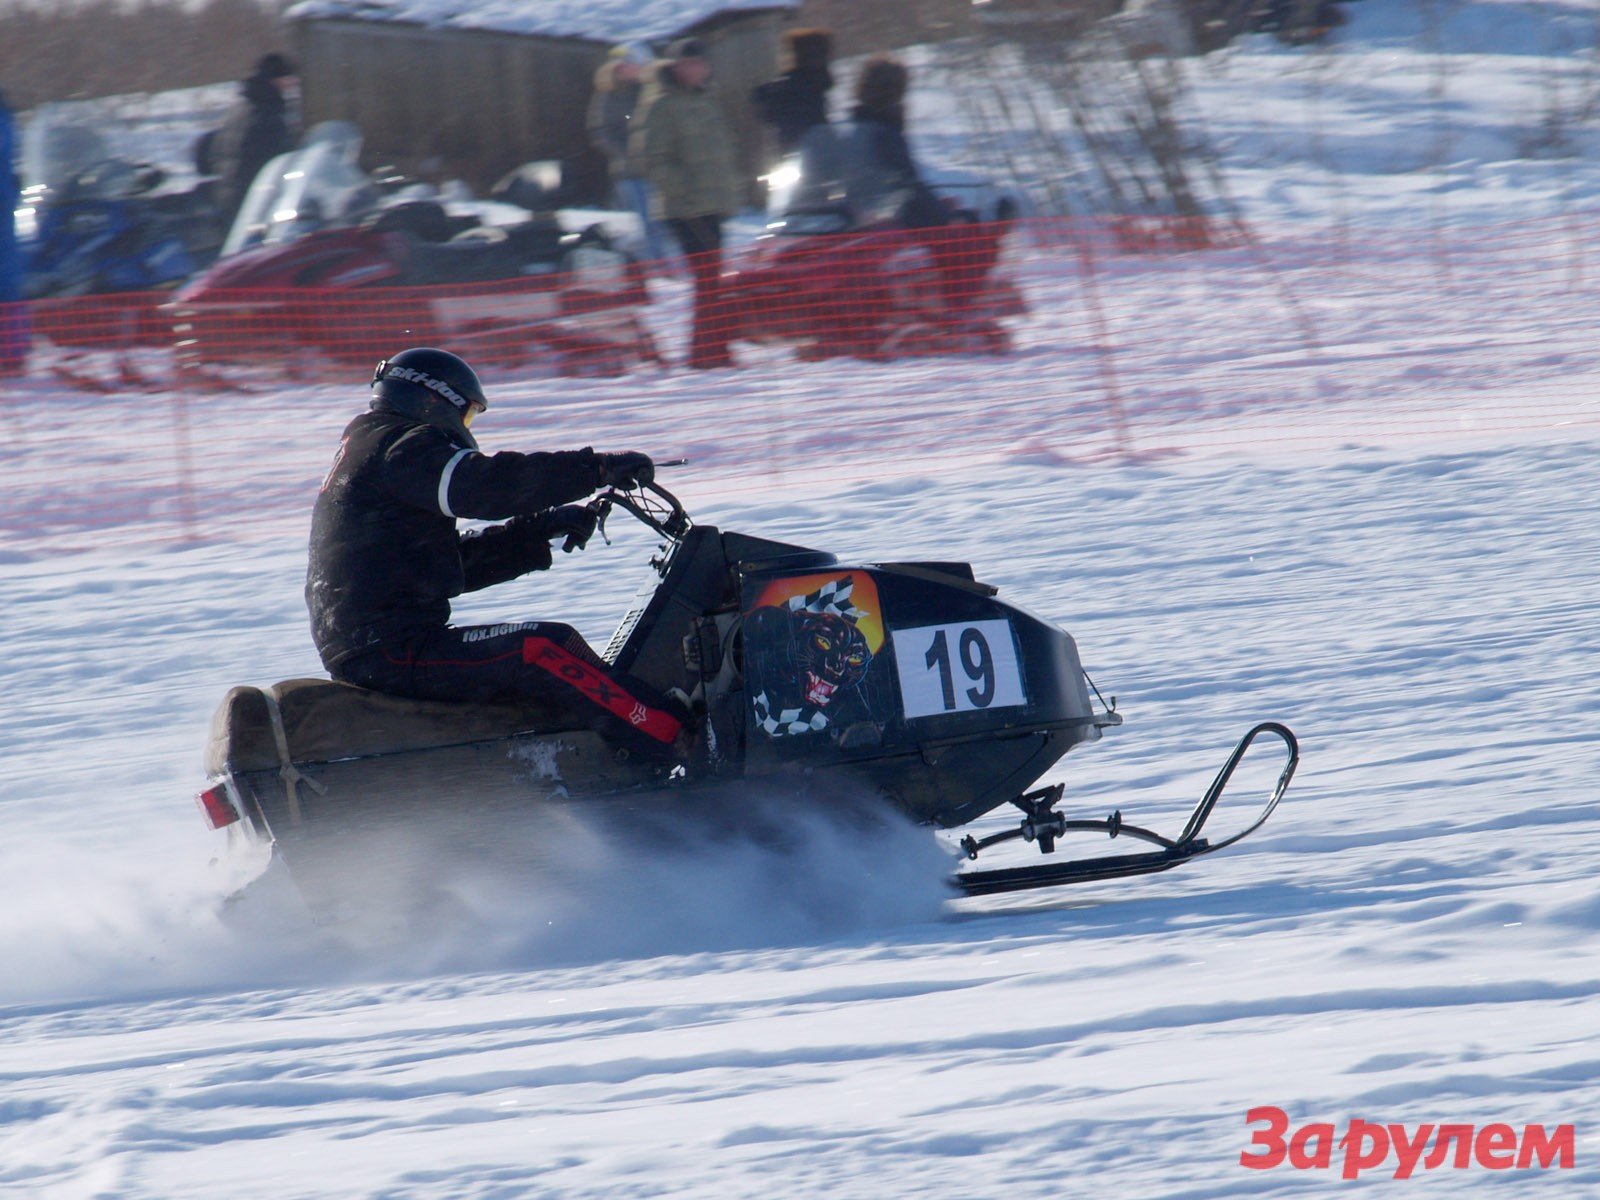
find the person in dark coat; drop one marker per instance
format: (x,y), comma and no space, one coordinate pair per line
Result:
(797,100)
(386,557)
(257,129)
(13,315)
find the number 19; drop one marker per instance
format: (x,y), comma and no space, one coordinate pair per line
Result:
(976,661)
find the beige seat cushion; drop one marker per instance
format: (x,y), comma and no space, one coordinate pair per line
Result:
(325,721)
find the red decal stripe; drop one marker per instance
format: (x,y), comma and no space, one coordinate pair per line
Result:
(600,688)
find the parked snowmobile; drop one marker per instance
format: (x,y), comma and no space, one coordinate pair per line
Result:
(104,232)
(117,226)
(831,282)
(323,261)
(909,680)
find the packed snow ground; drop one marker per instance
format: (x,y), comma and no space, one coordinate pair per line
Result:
(1399,566)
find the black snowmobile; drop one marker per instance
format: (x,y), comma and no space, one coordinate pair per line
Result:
(907,681)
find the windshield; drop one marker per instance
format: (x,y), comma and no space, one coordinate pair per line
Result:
(317,185)
(58,143)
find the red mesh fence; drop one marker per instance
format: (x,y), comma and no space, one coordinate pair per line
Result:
(198,412)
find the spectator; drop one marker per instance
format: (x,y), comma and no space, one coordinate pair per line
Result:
(683,144)
(13,316)
(797,100)
(868,159)
(617,85)
(257,130)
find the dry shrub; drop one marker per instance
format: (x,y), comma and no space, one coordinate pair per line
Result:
(868,26)
(55,50)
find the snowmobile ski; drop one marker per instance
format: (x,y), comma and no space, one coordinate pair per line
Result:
(1043,825)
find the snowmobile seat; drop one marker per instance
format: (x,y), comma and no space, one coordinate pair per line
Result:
(427,220)
(324,721)
(811,219)
(479,259)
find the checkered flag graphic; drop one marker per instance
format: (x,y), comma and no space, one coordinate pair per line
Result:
(831,597)
(784,721)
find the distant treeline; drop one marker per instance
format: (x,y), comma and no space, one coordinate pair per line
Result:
(869,26)
(66,49)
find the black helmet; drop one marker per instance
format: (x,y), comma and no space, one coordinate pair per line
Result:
(434,371)
(275,66)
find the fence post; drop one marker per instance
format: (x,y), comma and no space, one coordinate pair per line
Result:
(1102,338)
(185,459)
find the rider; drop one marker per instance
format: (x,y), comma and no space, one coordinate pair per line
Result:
(868,158)
(386,556)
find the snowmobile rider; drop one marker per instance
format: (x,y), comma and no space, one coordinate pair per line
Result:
(386,557)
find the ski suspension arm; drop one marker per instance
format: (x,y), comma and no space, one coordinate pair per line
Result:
(1042,825)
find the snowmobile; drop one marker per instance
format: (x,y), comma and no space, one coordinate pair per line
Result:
(105,236)
(911,682)
(831,282)
(328,261)
(117,226)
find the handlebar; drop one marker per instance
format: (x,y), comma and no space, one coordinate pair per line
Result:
(653,506)
(650,504)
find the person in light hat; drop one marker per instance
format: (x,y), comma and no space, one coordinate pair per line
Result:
(617,86)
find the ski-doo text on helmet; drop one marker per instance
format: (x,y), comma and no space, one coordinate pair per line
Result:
(437,386)
(438,372)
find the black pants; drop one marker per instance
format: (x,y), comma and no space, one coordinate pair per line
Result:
(539,661)
(712,330)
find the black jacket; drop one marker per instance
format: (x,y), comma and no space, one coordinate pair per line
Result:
(255,132)
(385,554)
(793,103)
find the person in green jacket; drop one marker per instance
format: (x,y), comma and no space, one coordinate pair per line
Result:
(683,144)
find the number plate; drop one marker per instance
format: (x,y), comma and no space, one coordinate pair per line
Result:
(957,668)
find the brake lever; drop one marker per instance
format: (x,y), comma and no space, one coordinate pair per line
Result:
(601,508)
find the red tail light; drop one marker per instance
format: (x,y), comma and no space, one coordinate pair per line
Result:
(216,807)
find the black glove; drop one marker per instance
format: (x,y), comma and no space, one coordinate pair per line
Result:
(629,469)
(575,522)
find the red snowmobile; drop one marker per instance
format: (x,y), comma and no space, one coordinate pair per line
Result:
(320,264)
(910,682)
(832,285)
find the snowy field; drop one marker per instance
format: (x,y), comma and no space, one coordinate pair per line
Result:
(1386,541)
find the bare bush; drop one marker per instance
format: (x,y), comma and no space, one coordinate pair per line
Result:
(51,50)
(1087,111)
(871,26)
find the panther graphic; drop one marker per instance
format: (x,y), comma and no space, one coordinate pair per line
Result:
(831,652)
(810,657)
